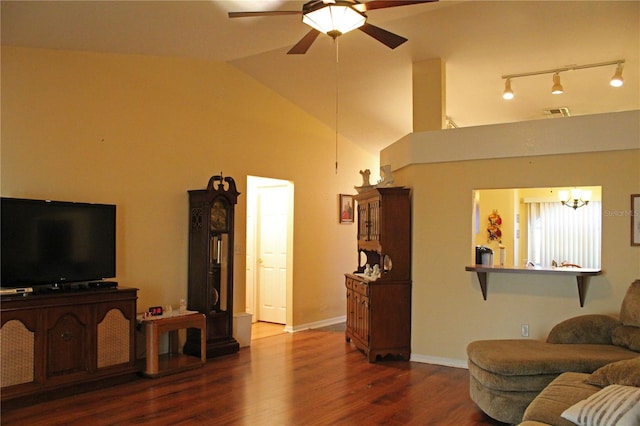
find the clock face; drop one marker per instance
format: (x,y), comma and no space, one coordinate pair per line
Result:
(219,216)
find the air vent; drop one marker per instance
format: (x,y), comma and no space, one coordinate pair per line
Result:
(557,112)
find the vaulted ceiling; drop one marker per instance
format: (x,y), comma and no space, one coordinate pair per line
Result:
(479,41)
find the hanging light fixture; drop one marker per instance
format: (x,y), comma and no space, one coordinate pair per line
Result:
(508,93)
(557,88)
(333,18)
(616,80)
(578,198)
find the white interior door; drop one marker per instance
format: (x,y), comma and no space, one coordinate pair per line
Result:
(272,215)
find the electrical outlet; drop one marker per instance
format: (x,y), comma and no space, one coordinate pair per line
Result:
(524,330)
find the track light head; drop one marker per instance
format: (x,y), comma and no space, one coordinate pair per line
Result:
(508,93)
(556,89)
(617,80)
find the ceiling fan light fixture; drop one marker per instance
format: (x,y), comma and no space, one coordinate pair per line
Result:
(333,19)
(617,80)
(556,89)
(508,93)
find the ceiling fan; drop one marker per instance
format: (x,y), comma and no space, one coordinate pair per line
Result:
(336,17)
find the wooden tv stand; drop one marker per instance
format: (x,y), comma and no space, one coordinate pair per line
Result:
(59,343)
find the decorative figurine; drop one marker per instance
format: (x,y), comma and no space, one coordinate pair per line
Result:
(366,185)
(365,177)
(372,273)
(367,270)
(376,271)
(386,178)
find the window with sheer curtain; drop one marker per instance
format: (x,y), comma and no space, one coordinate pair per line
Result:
(563,234)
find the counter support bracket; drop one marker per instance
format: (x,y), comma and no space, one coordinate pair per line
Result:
(482,278)
(582,288)
(582,276)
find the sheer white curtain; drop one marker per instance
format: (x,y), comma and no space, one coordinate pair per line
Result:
(563,234)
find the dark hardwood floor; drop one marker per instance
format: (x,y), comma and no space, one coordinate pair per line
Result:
(307,378)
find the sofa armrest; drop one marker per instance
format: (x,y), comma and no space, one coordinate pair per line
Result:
(590,329)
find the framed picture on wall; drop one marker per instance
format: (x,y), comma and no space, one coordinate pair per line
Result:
(346,208)
(635,219)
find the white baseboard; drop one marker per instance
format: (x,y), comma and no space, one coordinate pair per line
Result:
(317,324)
(447,362)
(425,359)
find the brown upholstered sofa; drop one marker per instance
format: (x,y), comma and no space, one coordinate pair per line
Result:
(569,389)
(506,375)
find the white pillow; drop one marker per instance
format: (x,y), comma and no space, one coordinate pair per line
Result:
(615,405)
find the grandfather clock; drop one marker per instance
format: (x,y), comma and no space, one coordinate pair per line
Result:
(210,287)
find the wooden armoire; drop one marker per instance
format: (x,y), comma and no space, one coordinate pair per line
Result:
(379,310)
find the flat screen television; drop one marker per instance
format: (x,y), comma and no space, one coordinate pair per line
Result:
(54,242)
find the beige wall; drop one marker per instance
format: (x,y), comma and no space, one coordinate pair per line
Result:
(448,309)
(141,131)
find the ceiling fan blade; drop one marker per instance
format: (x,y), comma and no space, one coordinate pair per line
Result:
(383,36)
(266,13)
(383,4)
(303,45)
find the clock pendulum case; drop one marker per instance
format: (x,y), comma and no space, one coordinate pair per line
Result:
(210,286)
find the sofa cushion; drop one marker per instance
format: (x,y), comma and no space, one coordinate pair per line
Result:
(564,391)
(630,309)
(522,383)
(615,405)
(595,329)
(522,357)
(506,407)
(627,337)
(625,372)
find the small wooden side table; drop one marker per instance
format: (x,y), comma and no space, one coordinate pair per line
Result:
(173,362)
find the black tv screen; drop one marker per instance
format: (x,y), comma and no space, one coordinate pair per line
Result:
(56,242)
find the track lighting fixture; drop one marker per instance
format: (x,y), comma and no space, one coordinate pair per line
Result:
(556,89)
(617,80)
(508,93)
